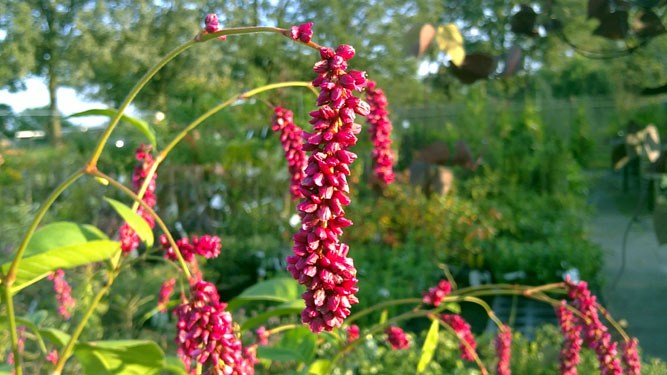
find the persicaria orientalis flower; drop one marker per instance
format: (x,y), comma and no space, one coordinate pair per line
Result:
(212,25)
(320,261)
(352,333)
(631,363)
(397,338)
(262,336)
(303,32)
(206,246)
(380,131)
(468,344)
(290,137)
(63,293)
(436,294)
(503,344)
(129,240)
(52,356)
(206,334)
(572,341)
(594,332)
(165,293)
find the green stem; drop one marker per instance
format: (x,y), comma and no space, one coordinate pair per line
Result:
(486,307)
(283,328)
(67,352)
(148,209)
(369,310)
(12,330)
(163,154)
(92,164)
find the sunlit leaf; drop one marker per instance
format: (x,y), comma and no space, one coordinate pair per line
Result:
(301,339)
(291,307)
(430,344)
(449,40)
(319,367)
(142,125)
(135,221)
(126,357)
(282,289)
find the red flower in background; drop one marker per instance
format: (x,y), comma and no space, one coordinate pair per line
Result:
(129,240)
(397,338)
(380,131)
(63,293)
(290,137)
(462,330)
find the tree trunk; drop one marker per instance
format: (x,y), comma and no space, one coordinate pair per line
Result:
(55,130)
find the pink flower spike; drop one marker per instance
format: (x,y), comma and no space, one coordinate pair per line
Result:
(503,344)
(129,240)
(320,260)
(380,131)
(463,332)
(630,358)
(352,333)
(397,338)
(165,294)
(52,356)
(63,293)
(436,294)
(290,137)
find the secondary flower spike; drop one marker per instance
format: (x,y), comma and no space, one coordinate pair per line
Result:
(503,344)
(206,246)
(462,330)
(290,137)
(206,334)
(302,33)
(380,131)
(572,341)
(63,293)
(631,363)
(397,338)
(436,294)
(165,294)
(129,240)
(320,260)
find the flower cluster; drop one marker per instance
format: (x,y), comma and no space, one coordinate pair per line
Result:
(303,32)
(572,341)
(468,344)
(630,358)
(594,332)
(129,240)
(63,293)
(165,293)
(212,25)
(262,336)
(380,131)
(503,344)
(206,335)
(397,338)
(290,137)
(352,333)
(436,294)
(320,261)
(206,246)
(52,356)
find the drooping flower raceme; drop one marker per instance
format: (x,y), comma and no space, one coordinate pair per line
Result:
(463,332)
(206,246)
(303,32)
(206,335)
(572,341)
(631,363)
(320,261)
(129,240)
(290,137)
(63,293)
(436,294)
(380,131)
(397,338)
(594,332)
(503,344)
(166,290)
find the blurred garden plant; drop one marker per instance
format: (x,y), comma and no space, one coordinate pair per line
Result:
(209,340)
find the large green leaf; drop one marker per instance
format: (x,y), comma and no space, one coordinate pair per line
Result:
(430,344)
(301,339)
(36,267)
(135,221)
(319,367)
(291,307)
(174,365)
(126,357)
(282,289)
(55,336)
(142,125)
(279,354)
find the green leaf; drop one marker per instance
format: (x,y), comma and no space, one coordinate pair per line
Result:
(301,339)
(279,354)
(37,267)
(61,234)
(126,357)
(142,125)
(6,369)
(383,316)
(282,289)
(55,336)
(135,221)
(430,344)
(291,307)
(31,326)
(454,307)
(319,367)
(174,365)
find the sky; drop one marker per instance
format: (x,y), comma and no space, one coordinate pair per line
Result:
(37,95)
